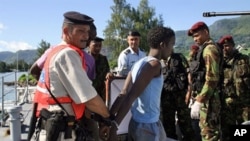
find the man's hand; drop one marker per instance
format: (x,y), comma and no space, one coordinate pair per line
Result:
(195,110)
(108,133)
(187,97)
(104,131)
(109,76)
(113,133)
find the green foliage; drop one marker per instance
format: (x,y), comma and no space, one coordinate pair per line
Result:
(24,79)
(144,20)
(113,63)
(115,32)
(2,66)
(42,47)
(125,18)
(245,51)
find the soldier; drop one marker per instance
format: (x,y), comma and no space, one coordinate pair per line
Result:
(205,75)
(102,66)
(131,54)
(236,90)
(190,95)
(173,98)
(102,72)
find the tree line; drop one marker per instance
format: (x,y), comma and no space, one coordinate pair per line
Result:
(19,65)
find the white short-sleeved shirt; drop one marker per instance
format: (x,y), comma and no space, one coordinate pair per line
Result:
(67,77)
(127,58)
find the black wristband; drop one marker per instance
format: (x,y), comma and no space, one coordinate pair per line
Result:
(112,116)
(106,121)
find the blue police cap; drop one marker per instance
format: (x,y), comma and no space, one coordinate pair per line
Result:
(134,33)
(74,17)
(98,39)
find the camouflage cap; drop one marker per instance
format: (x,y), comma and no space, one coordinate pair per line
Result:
(196,27)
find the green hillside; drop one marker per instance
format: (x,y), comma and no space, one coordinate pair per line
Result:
(238,27)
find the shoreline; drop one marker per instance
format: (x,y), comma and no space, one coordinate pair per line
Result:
(13,83)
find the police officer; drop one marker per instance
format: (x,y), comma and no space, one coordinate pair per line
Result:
(236,88)
(131,54)
(36,68)
(102,70)
(205,75)
(63,88)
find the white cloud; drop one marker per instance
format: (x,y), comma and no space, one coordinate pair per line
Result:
(14,46)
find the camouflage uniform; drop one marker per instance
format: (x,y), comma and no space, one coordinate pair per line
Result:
(102,68)
(236,90)
(173,98)
(205,74)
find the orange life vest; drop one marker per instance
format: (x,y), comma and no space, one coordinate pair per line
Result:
(42,95)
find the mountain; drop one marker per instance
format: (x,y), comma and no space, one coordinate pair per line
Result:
(27,55)
(5,54)
(238,27)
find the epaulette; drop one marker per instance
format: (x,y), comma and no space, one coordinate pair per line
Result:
(127,51)
(142,49)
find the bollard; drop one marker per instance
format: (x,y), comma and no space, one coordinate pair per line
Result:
(15,123)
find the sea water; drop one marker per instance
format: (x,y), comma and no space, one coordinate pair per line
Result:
(9,92)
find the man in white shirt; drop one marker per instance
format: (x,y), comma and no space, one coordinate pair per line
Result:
(131,54)
(65,78)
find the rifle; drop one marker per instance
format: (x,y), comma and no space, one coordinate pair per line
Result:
(233,13)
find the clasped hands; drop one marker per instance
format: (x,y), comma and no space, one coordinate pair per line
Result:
(108,132)
(107,128)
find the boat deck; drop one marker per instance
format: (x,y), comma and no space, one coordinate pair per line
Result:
(27,112)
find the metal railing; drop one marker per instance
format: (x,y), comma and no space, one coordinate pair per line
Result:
(11,80)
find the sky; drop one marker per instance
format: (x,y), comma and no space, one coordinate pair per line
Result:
(25,23)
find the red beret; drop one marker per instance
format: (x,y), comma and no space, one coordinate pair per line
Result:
(226,39)
(195,47)
(197,26)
